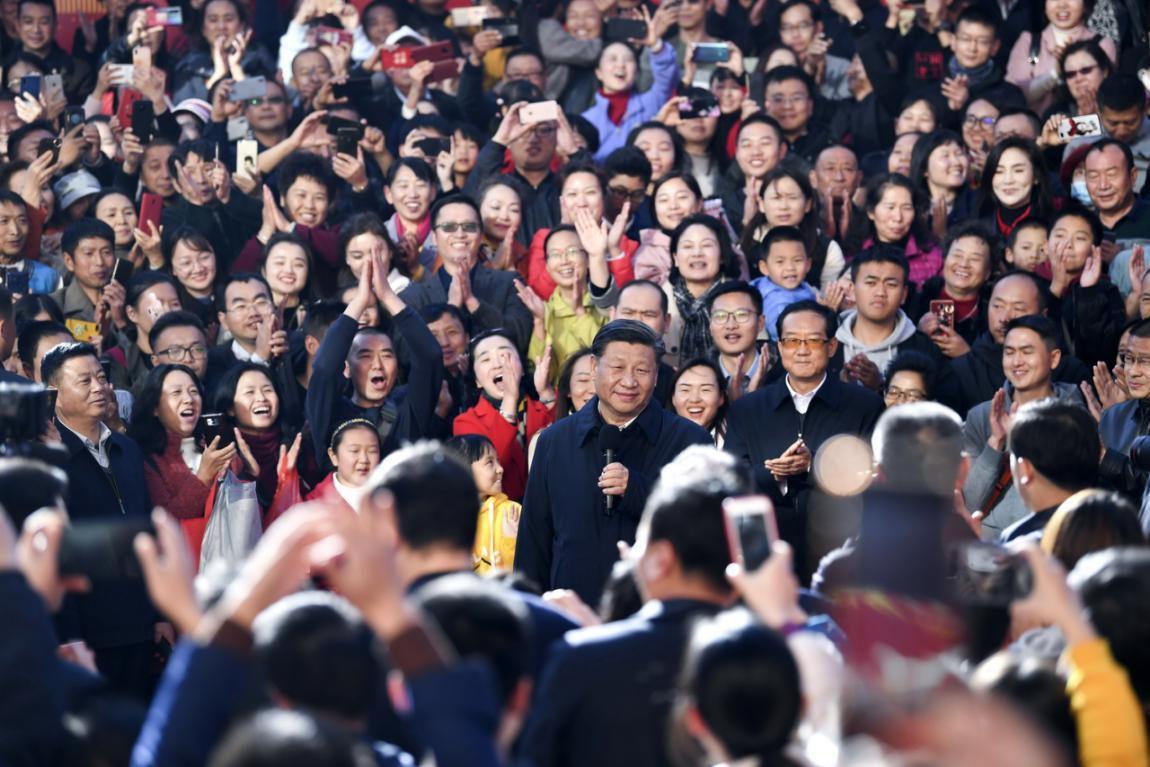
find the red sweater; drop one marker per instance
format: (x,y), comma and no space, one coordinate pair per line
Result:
(540,281)
(172,484)
(484,419)
(325,491)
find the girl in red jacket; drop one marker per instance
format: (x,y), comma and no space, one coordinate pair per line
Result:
(354,452)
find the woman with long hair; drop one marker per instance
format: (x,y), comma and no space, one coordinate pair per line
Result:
(939,167)
(1014,186)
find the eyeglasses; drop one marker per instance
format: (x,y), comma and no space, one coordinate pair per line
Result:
(802,26)
(981,42)
(570,254)
(904,395)
(1130,361)
(450,227)
(181,353)
(985,122)
(273,100)
(740,316)
(621,192)
(1070,74)
(791,344)
(261,304)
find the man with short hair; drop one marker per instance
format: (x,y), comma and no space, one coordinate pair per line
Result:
(1017,122)
(105,482)
(150,296)
(449,327)
(877,329)
(487,297)
(605,695)
(1125,422)
(977,39)
(368,357)
(837,178)
(759,148)
(790,99)
(736,312)
(777,429)
(578,505)
(978,374)
(14,246)
(37,38)
(178,338)
(1110,180)
(628,173)
(1030,355)
(478,101)
(800,27)
(87,246)
(1054,448)
(248,315)
(644,301)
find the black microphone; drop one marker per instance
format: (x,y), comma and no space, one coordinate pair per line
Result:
(610,438)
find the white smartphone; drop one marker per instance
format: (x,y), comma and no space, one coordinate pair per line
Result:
(53,87)
(1079,127)
(469,17)
(541,111)
(751,529)
(247,156)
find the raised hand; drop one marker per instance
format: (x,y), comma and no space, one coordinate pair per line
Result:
(1092,271)
(215,460)
(289,457)
(542,377)
(536,305)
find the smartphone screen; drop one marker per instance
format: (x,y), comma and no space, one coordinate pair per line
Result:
(751,529)
(122,271)
(986,574)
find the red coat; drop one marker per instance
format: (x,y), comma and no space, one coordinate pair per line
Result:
(484,419)
(540,281)
(325,491)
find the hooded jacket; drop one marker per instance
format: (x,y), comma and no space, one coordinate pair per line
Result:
(881,353)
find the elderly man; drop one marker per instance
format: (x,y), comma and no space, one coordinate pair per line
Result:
(578,503)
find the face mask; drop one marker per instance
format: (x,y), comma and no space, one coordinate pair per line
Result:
(1078,192)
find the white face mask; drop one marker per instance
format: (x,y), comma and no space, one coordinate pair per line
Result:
(1079,192)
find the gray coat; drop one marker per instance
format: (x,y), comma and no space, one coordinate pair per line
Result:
(987,464)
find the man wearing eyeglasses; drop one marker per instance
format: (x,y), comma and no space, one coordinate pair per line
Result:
(778,429)
(248,315)
(178,338)
(790,100)
(486,296)
(1030,354)
(736,310)
(1121,424)
(972,73)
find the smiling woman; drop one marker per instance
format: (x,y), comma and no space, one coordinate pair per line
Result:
(248,396)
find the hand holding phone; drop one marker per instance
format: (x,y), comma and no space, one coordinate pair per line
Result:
(102,550)
(943,309)
(751,529)
(214,425)
(539,112)
(987,575)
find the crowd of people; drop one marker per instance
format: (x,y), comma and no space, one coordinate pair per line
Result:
(381,382)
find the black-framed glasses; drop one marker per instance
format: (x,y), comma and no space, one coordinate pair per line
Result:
(181,353)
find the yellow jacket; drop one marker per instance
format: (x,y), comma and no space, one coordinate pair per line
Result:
(566,331)
(495,536)
(1111,730)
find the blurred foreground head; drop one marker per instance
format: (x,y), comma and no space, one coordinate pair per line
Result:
(918,449)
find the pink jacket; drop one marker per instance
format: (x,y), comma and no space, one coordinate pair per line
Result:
(1039,80)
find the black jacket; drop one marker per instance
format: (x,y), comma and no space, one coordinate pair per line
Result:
(1091,320)
(228,227)
(763,424)
(407,414)
(540,203)
(112,613)
(499,304)
(978,374)
(605,696)
(567,540)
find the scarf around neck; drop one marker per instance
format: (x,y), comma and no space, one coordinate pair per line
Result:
(616,105)
(696,340)
(977,76)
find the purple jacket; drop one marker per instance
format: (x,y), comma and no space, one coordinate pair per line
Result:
(641,108)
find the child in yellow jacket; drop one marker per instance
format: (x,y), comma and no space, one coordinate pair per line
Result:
(498,526)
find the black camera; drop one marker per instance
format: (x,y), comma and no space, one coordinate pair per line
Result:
(25,410)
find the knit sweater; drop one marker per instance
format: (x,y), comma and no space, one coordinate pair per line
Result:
(172,485)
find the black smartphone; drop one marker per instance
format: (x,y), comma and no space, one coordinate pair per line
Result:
(214,425)
(700,106)
(16,280)
(987,575)
(102,550)
(355,88)
(122,271)
(432,147)
(143,120)
(336,124)
(49,146)
(624,30)
(30,84)
(710,53)
(508,31)
(73,117)
(347,141)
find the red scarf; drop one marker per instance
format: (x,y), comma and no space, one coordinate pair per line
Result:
(421,231)
(1005,228)
(616,105)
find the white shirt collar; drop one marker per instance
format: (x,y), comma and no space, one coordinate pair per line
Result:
(98,450)
(352,495)
(803,401)
(243,355)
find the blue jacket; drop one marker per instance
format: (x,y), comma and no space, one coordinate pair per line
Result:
(606,694)
(777,298)
(640,108)
(567,540)
(113,613)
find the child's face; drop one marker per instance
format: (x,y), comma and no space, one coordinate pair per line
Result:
(786,264)
(1029,249)
(488,475)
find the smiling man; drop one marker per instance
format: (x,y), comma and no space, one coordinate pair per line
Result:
(578,505)
(87,245)
(777,429)
(1030,354)
(1121,424)
(105,482)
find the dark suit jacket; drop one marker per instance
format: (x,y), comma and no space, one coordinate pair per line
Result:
(567,540)
(763,424)
(112,613)
(499,304)
(605,695)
